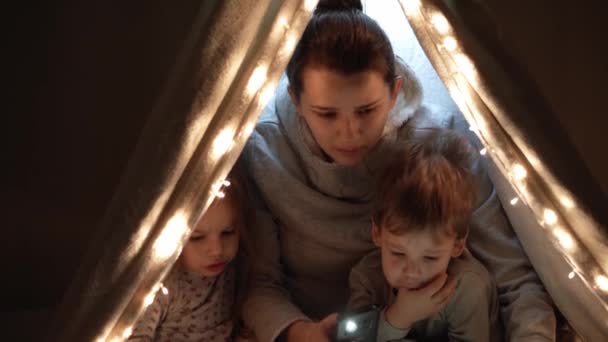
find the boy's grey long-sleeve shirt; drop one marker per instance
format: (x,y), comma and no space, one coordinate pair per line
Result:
(471,314)
(314,224)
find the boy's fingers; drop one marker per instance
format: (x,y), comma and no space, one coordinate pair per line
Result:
(434,287)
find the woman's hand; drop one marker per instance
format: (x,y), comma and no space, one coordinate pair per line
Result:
(411,306)
(305,331)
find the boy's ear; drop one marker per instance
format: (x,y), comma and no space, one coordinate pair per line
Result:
(458,248)
(376,235)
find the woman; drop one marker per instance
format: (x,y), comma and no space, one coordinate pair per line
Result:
(313,158)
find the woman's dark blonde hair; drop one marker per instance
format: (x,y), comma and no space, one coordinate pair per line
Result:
(428,185)
(341,38)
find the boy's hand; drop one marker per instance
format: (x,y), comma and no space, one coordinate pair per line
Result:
(322,331)
(411,306)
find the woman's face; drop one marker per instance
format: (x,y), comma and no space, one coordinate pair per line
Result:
(345,113)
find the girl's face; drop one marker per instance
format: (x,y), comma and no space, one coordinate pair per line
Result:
(214,241)
(346,114)
(412,260)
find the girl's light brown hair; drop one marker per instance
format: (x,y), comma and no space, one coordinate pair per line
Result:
(428,185)
(239,198)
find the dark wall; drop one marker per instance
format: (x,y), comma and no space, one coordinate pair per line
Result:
(82,79)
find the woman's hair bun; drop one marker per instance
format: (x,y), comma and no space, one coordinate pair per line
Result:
(325,6)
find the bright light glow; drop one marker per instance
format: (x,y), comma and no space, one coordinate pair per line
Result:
(410,5)
(127,332)
(514,201)
(168,241)
(564,238)
(441,23)
(149,299)
(164,289)
(310,5)
(549,216)
(288,45)
(465,65)
(266,94)
(222,143)
(519,172)
(283,22)
(220,194)
(450,43)
(571,275)
(351,326)
(567,202)
(483,151)
(226,182)
(602,282)
(258,77)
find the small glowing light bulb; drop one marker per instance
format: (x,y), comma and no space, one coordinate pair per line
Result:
(165,290)
(550,216)
(127,332)
(602,282)
(450,43)
(514,201)
(149,299)
(483,151)
(519,172)
(220,194)
(351,326)
(571,275)
(226,182)
(441,23)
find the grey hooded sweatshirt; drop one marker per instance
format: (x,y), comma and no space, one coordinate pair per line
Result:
(314,223)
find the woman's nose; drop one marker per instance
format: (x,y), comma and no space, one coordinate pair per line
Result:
(350,127)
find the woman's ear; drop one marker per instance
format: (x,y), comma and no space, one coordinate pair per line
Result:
(376,235)
(458,248)
(293,97)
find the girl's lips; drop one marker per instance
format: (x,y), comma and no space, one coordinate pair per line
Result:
(216,267)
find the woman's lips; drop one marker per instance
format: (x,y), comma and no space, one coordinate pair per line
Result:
(350,151)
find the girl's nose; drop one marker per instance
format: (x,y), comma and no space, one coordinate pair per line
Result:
(215,247)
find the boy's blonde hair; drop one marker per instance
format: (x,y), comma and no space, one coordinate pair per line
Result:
(428,185)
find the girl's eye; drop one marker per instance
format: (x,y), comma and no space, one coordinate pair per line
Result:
(229,231)
(196,237)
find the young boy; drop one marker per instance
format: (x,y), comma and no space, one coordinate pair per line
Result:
(426,282)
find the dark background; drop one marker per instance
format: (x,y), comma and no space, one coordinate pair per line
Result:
(83,77)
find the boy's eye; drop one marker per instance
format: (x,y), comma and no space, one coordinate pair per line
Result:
(430,258)
(398,254)
(365,111)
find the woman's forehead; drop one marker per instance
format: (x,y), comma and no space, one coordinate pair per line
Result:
(326,88)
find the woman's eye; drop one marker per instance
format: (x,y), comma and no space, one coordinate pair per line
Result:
(196,237)
(327,115)
(430,258)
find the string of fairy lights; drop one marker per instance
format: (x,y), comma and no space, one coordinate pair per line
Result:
(259,89)
(513,162)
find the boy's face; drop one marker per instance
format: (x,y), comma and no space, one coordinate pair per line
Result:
(214,241)
(414,259)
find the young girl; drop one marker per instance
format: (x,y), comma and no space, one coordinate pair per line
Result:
(314,156)
(206,287)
